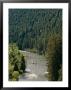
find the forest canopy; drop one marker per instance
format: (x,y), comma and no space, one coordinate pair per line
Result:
(30,28)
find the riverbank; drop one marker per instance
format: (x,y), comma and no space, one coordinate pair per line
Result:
(37,66)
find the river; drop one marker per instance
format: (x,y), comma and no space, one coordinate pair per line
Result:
(36,67)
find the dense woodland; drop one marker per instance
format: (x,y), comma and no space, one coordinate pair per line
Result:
(39,30)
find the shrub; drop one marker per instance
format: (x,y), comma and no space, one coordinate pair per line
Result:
(21,71)
(11,68)
(15,75)
(14,79)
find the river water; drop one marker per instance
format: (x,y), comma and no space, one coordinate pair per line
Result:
(36,67)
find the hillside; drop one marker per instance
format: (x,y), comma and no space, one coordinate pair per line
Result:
(30,28)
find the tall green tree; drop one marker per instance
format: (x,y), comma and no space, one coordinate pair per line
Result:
(54,57)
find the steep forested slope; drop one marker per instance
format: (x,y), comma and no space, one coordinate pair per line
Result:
(30,28)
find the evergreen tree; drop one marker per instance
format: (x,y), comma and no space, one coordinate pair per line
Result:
(54,57)
(16,67)
(22,64)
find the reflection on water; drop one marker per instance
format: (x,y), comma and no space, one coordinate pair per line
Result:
(36,69)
